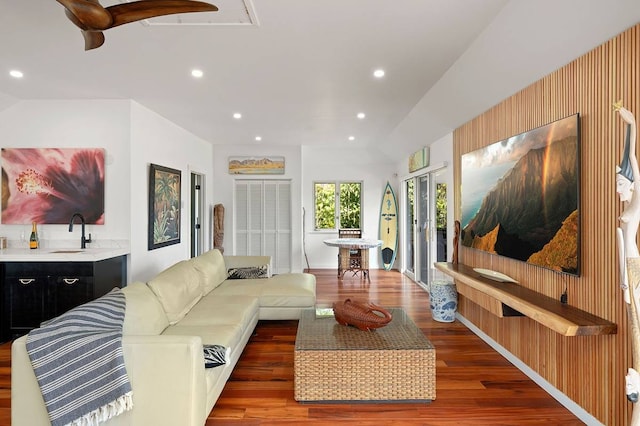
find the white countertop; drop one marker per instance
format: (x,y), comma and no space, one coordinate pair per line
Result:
(61,254)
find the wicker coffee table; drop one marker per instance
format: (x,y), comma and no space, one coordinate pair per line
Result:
(333,362)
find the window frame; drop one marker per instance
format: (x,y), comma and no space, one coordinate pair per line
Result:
(337,184)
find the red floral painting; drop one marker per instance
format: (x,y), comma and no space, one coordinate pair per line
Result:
(49,185)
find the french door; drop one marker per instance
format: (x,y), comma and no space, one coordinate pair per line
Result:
(262,221)
(425,224)
(409,227)
(197,213)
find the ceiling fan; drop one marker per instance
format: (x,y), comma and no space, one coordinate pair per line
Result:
(92,18)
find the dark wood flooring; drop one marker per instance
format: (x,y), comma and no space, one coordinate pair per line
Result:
(474,384)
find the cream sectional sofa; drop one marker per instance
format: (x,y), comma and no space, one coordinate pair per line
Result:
(167,321)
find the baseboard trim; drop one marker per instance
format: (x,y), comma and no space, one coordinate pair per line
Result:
(563,399)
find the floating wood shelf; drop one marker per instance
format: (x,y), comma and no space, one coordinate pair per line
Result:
(505,299)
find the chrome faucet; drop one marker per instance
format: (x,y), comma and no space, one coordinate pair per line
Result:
(83,240)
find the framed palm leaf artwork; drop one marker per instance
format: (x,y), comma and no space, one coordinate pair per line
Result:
(164,206)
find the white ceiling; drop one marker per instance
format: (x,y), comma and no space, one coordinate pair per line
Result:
(300,76)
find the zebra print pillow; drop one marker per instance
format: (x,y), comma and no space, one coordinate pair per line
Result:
(214,355)
(247,272)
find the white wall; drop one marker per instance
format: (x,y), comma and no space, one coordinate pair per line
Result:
(309,164)
(442,152)
(76,124)
(133,136)
(6,101)
(156,140)
(224,182)
(512,52)
(346,163)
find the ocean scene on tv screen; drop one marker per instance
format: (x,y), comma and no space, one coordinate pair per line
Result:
(520,197)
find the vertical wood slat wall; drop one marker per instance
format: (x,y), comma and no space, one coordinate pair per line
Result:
(588,369)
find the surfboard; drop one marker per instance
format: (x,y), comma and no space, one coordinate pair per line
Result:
(388,227)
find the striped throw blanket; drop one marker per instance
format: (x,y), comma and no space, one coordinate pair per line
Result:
(77,358)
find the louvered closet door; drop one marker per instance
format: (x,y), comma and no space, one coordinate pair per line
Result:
(263,221)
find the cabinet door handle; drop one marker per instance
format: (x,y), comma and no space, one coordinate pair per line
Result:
(70,281)
(26,281)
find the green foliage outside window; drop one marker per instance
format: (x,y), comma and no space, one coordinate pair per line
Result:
(350,205)
(441,206)
(325,205)
(344,206)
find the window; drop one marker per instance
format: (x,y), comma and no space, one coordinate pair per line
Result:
(337,205)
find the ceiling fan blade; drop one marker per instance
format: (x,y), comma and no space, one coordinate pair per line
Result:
(144,9)
(93,39)
(87,14)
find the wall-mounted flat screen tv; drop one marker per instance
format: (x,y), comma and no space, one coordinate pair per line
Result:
(520,197)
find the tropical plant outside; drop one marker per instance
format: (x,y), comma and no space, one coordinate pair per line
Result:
(350,205)
(325,205)
(344,206)
(441,206)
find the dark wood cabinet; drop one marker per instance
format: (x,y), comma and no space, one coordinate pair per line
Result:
(69,291)
(34,292)
(29,294)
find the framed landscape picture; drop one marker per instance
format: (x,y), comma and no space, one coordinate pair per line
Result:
(164,206)
(256,165)
(419,159)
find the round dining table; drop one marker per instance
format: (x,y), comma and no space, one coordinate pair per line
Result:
(350,261)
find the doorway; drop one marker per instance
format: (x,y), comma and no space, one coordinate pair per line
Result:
(197,213)
(410,224)
(262,221)
(425,227)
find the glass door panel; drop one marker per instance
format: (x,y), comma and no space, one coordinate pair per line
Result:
(441,218)
(197,214)
(410,227)
(425,224)
(424,228)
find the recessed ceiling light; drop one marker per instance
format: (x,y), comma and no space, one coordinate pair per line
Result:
(378,73)
(352,138)
(197,73)
(258,138)
(237,115)
(361,115)
(16,74)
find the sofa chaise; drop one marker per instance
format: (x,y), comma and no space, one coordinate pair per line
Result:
(167,321)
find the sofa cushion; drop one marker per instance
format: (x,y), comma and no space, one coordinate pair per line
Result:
(295,289)
(177,288)
(248,287)
(227,335)
(216,309)
(144,315)
(212,270)
(288,290)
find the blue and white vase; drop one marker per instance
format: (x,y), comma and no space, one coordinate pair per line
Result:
(443,299)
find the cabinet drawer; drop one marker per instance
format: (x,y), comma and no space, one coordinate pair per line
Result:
(69,291)
(32,292)
(26,301)
(17,269)
(48,268)
(59,269)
